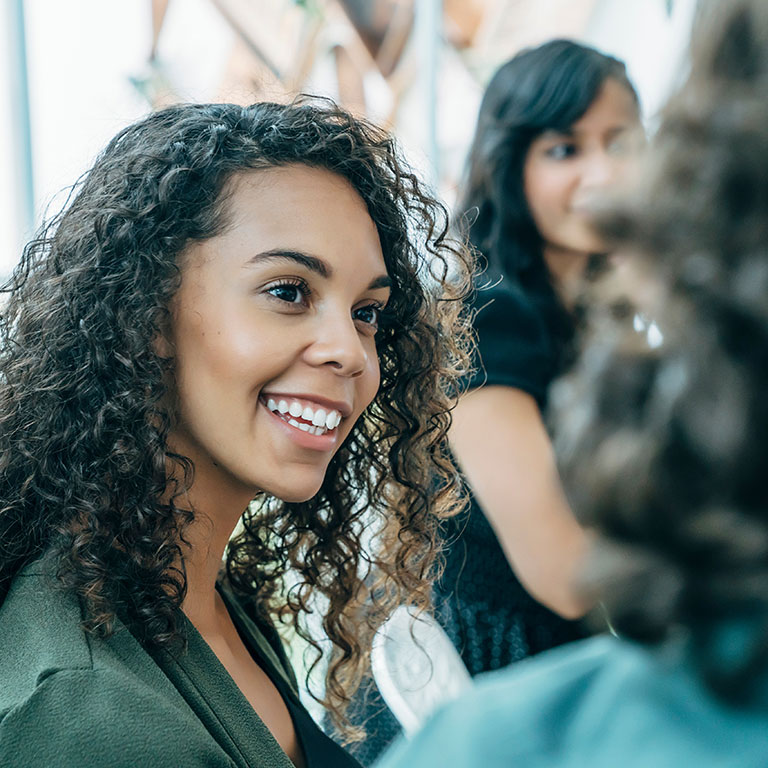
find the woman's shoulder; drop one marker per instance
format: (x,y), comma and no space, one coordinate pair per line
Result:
(497,296)
(81,717)
(509,717)
(68,699)
(592,702)
(40,633)
(514,347)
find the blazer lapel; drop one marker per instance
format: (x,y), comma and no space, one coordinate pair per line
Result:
(213,695)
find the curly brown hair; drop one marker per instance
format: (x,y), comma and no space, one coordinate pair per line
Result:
(84,460)
(663,444)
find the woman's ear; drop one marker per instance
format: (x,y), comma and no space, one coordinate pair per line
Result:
(162,342)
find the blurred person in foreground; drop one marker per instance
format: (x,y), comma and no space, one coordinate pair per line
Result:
(664,447)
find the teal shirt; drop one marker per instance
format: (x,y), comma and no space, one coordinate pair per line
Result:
(600,703)
(69,700)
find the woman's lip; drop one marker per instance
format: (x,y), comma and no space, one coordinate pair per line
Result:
(344,408)
(324,442)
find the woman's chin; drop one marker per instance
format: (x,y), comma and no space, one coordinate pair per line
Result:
(295,494)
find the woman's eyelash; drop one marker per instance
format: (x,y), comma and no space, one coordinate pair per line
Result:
(299,285)
(375,306)
(561,150)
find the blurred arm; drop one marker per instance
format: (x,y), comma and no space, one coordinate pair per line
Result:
(499,440)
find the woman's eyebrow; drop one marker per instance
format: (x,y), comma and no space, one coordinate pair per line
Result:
(312,263)
(612,130)
(384,281)
(617,129)
(556,133)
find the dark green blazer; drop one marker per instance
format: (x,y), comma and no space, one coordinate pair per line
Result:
(70,700)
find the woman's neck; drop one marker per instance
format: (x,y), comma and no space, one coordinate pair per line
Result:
(567,268)
(207,541)
(217,513)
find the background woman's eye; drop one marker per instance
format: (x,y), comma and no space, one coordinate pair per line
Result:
(561,151)
(288,292)
(369,315)
(621,145)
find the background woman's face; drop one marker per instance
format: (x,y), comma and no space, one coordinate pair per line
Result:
(567,174)
(273,333)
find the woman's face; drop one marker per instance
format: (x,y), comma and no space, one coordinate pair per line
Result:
(273,333)
(567,174)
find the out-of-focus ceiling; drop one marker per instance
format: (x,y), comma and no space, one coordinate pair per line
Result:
(280,45)
(368,55)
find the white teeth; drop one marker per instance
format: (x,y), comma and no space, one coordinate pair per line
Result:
(304,427)
(321,420)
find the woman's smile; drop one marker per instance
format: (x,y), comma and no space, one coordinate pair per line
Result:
(310,423)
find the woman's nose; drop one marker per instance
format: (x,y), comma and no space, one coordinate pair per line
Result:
(339,344)
(599,171)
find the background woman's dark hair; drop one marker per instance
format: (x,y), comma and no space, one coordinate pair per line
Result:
(84,460)
(543,88)
(663,446)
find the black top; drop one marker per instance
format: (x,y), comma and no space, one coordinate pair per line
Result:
(514,348)
(483,607)
(319,750)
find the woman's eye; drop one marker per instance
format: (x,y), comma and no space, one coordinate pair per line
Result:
(561,151)
(369,315)
(618,147)
(292,293)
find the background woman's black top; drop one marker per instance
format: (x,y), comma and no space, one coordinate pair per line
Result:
(483,607)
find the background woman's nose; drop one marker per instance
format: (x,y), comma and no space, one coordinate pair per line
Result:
(600,170)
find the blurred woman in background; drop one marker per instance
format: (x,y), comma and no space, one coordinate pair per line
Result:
(558,131)
(663,448)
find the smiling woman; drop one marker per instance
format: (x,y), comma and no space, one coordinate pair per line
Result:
(229,309)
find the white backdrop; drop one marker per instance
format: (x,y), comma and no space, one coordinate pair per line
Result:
(82,54)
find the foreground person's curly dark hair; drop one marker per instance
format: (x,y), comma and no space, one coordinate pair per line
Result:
(84,459)
(664,445)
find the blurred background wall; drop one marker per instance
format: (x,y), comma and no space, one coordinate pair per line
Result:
(75,72)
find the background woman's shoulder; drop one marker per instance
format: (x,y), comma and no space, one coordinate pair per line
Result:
(514,348)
